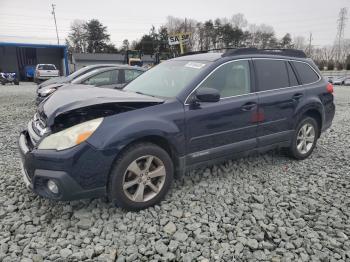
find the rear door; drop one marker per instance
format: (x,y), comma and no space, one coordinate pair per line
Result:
(279,93)
(217,129)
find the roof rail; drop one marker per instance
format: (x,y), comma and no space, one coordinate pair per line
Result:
(252,50)
(224,49)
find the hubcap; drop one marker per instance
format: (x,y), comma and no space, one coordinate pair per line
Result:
(305,138)
(144,178)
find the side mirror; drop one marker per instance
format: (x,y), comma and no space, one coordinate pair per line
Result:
(207,95)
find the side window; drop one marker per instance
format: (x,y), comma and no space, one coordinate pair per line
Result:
(271,74)
(306,73)
(230,79)
(105,78)
(292,78)
(131,75)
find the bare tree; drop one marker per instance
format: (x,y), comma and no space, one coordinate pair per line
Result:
(239,21)
(77,40)
(299,42)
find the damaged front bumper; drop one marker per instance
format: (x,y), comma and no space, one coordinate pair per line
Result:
(79,172)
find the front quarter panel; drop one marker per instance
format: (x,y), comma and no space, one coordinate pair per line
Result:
(164,120)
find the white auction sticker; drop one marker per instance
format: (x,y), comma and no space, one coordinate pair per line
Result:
(194,65)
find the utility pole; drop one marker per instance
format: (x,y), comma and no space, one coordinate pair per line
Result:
(54,17)
(341,26)
(310,40)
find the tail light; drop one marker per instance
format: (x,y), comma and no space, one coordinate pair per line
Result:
(330,88)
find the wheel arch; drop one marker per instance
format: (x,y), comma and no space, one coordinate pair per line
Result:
(314,113)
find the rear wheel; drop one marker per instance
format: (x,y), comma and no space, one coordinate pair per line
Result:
(305,138)
(141,177)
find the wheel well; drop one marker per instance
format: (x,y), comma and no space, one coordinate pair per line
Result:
(161,142)
(317,116)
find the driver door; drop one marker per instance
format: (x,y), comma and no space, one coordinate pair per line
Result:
(217,129)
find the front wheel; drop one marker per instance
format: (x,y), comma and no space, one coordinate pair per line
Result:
(141,177)
(305,138)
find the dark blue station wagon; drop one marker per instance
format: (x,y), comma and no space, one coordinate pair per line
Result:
(129,144)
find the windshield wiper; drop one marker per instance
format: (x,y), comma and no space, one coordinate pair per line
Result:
(140,93)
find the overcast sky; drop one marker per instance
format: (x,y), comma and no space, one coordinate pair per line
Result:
(31,21)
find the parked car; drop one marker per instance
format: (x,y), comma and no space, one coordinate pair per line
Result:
(8,78)
(44,72)
(347,81)
(71,77)
(340,80)
(192,110)
(109,77)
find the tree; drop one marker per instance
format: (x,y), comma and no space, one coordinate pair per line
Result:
(97,37)
(239,21)
(76,40)
(126,44)
(286,41)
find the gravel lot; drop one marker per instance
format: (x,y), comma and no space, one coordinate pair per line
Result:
(266,207)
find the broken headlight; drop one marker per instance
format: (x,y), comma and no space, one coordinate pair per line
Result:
(71,136)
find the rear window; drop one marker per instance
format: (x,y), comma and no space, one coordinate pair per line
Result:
(271,74)
(46,67)
(306,73)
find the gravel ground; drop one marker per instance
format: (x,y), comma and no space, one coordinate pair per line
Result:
(266,207)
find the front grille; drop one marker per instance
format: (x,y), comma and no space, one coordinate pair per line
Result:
(36,129)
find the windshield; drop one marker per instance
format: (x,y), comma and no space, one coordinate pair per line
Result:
(80,72)
(167,79)
(46,67)
(85,76)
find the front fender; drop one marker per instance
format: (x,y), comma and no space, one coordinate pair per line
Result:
(165,121)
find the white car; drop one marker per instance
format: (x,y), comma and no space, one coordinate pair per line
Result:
(44,72)
(347,82)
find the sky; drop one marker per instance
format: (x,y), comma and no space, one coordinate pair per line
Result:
(31,21)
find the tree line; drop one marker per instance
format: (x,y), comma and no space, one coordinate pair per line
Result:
(234,32)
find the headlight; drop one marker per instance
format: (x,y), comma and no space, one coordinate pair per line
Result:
(71,136)
(47,92)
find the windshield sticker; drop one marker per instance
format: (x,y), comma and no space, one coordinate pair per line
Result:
(194,65)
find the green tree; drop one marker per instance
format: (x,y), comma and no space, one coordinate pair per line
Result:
(96,36)
(286,41)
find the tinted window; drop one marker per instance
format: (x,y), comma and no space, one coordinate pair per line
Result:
(271,74)
(306,73)
(131,75)
(46,67)
(230,79)
(105,78)
(292,78)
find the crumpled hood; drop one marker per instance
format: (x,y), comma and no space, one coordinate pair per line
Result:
(69,99)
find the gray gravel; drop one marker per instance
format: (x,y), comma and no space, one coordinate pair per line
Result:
(266,207)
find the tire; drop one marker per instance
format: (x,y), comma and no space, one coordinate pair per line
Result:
(16,82)
(303,145)
(136,158)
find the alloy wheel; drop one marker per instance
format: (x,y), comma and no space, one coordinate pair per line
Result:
(305,138)
(144,178)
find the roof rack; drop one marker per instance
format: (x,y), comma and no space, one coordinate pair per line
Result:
(251,50)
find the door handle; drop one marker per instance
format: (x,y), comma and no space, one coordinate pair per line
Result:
(249,106)
(297,96)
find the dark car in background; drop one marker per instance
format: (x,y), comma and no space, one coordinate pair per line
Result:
(108,77)
(193,110)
